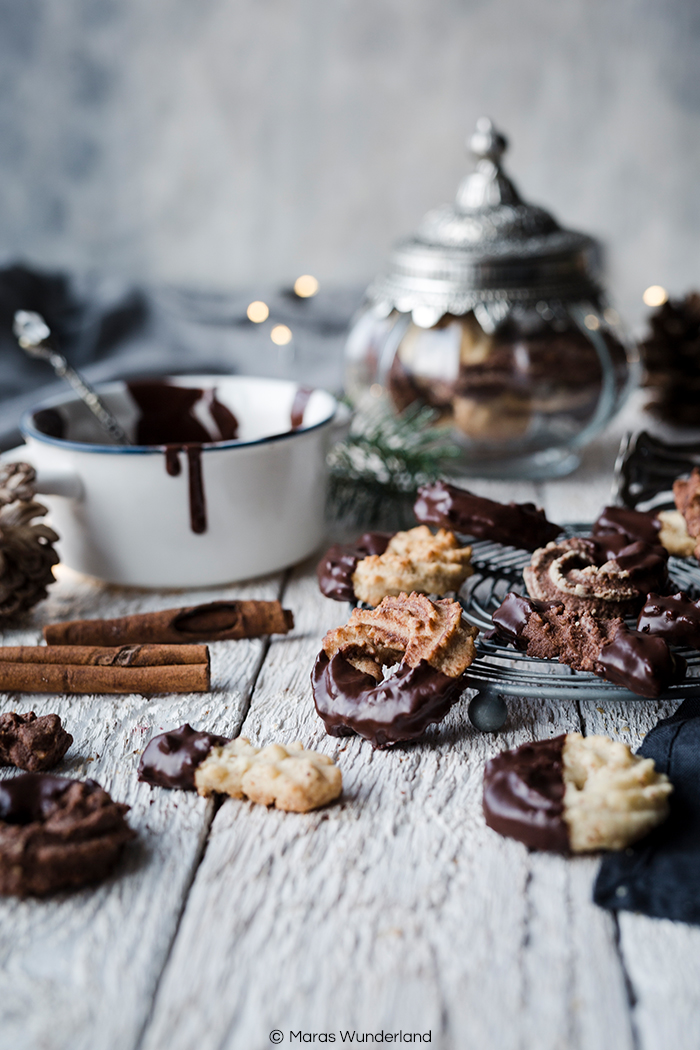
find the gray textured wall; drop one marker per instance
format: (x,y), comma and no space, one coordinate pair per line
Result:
(231,141)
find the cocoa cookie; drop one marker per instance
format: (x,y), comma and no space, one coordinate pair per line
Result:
(606,576)
(516,524)
(57,834)
(608,648)
(574,794)
(171,759)
(674,617)
(433,647)
(32,743)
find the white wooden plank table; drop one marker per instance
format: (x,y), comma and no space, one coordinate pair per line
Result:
(395,909)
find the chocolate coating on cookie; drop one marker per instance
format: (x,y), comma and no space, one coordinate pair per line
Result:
(513,615)
(524,794)
(338,564)
(32,743)
(633,523)
(57,833)
(675,617)
(642,663)
(646,563)
(608,648)
(516,524)
(399,708)
(170,759)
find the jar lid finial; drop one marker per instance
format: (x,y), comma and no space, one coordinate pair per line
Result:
(488,186)
(487,142)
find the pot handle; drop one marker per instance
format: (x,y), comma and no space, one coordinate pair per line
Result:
(48,482)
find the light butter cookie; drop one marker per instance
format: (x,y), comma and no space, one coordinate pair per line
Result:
(574,794)
(288,778)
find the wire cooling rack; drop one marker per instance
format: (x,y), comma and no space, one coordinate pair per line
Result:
(499,670)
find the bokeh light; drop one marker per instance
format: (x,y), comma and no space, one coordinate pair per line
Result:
(281,335)
(591,322)
(258,312)
(655,295)
(305,286)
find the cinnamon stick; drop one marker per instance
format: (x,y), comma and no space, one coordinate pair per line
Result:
(145,669)
(211,622)
(105,656)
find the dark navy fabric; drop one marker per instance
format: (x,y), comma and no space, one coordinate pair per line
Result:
(660,876)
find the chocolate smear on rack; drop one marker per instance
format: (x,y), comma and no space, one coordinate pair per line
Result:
(171,759)
(167,419)
(516,524)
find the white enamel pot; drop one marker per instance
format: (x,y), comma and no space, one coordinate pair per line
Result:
(123,518)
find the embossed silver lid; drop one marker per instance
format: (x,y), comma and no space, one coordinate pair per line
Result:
(488,250)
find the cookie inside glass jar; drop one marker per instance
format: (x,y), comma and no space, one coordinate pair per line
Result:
(537,375)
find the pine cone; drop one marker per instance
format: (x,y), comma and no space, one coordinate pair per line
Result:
(26,549)
(671,356)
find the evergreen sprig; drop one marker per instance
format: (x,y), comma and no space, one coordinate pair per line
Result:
(376,471)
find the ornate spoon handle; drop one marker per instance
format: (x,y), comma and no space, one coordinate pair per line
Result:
(33,336)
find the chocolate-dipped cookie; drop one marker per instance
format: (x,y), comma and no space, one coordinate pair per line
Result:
(674,617)
(412,561)
(32,743)
(574,794)
(288,777)
(171,759)
(638,525)
(606,576)
(638,662)
(516,524)
(433,647)
(686,494)
(57,834)
(336,567)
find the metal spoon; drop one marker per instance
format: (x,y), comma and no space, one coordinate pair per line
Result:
(33,335)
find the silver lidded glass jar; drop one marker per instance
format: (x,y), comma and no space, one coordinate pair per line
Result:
(495,316)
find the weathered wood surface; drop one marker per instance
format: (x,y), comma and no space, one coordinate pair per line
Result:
(80,970)
(395,909)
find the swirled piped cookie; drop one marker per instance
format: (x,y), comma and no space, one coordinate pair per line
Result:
(574,794)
